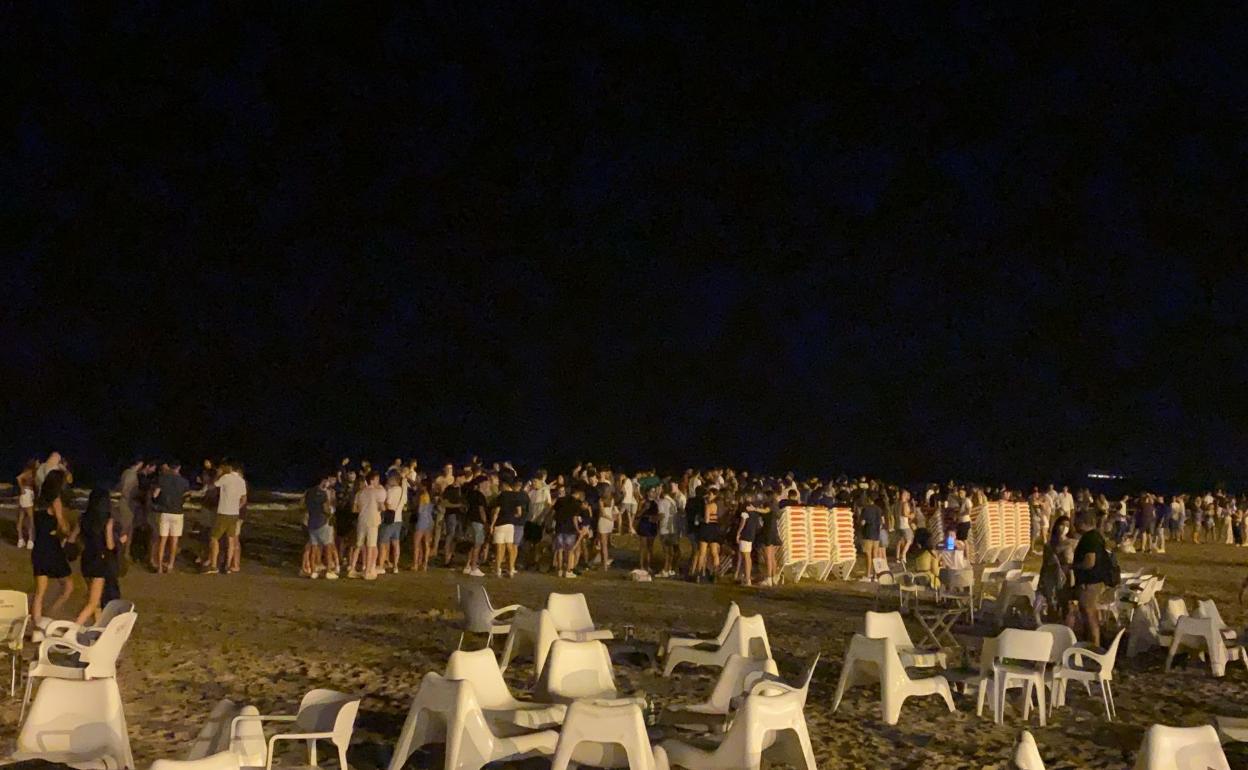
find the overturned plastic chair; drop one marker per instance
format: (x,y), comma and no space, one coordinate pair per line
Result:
(606,735)
(771,721)
(713,713)
(88,634)
(1201,636)
(570,612)
(76,722)
(502,710)
(532,633)
(79,662)
(868,661)
(323,715)
(223,760)
(14,619)
(747,637)
(1026,754)
(880,625)
(576,670)
(447,711)
(672,642)
(1181,748)
(480,617)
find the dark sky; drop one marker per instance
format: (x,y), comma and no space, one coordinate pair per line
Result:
(893,238)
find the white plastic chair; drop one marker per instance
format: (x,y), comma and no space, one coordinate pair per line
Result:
(75,661)
(673,642)
(1080,663)
(606,735)
(214,735)
(1012,591)
(958,585)
(875,660)
(323,715)
(912,586)
(576,670)
(880,625)
(572,619)
(223,760)
(1206,608)
(447,711)
(771,721)
(495,699)
(1026,754)
(532,633)
(76,721)
(1062,639)
(14,618)
(480,617)
(731,683)
(747,637)
(1181,748)
(86,635)
(1175,608)
(1201,635)
(1029,651)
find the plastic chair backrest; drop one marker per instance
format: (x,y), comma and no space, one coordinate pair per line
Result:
(223,760)
(474,602)
(1020,644)
(734,612)
(1026,754)
(1175,608)
(469,739)
(570,612)
(113,609)
(328,711)
(1181,748)
(84,719)
(481,668)
(577,670)
(754,729)
(731,682)
(1063,639)
(14,613)
(880,625)
(600,733)
(957,579)
(101,657)
(748,637)
(1207,608)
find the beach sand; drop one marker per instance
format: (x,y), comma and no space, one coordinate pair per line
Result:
(267,636)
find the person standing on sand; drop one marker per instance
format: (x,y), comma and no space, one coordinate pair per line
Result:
(26,505)
(508,517)
(321,553)
(227,522)
(1090,570)
(98,545)
(127,508)
(47,558)
(422,530)
(568,512)
(389,535)
(168,498)
(476,505)
(370,501)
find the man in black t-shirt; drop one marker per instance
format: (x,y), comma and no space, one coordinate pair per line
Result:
(1089,573)
(568,513)
(508,517)
(474,513)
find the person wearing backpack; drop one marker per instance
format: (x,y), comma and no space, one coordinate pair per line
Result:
(1093,568)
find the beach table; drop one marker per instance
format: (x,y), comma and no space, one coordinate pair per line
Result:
(937,623)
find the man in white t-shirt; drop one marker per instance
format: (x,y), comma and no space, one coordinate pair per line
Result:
(227,522)
(628,501)
(370,500)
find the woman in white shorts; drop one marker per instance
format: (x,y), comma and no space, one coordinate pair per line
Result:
(26,506)
(905,525)
(607,513)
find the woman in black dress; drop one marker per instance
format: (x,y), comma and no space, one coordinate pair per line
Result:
(770,535)
(48,556)
(98,544)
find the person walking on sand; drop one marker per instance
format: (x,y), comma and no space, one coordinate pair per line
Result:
(168,497)
(232,491)
(26,505)
(47,558)
(98,544)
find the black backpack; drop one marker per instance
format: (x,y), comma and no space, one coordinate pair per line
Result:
(1111,573)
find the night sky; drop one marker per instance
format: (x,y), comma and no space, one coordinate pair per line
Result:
(889,238)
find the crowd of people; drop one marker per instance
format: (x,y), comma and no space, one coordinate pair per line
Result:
(699,525)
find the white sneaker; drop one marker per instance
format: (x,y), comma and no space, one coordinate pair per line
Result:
(467,570)
(30,544)
(314,575)
(21,542)
(352,574)
(370,575)
(477,573)
(570,575)
(331,575)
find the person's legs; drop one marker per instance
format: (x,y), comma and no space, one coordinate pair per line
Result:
(746,551)
(233,557)
(173,553)
(771,563)
(67,590)
(36,604)
(25,524)
(512,550)
(214,549)
(714,559)
(91,610)
(604,548)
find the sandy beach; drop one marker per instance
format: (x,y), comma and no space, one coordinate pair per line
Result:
(267,636)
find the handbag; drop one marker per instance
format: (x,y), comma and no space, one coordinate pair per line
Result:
(387,517)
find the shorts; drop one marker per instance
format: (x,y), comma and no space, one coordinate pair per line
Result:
(709,533)
(171,524)
(365,535)
(1090,595)
(451,525)
(565,542)
(389,533)
(224,525)
(647,528)
(906,534)
(606,526)
(629,508)
(424,521)
(869,545)
(504,534)
(321,535)
(745,546)
(964,530)
(478,532)
(27,498)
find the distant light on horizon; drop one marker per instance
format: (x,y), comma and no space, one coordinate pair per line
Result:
(1104,476)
